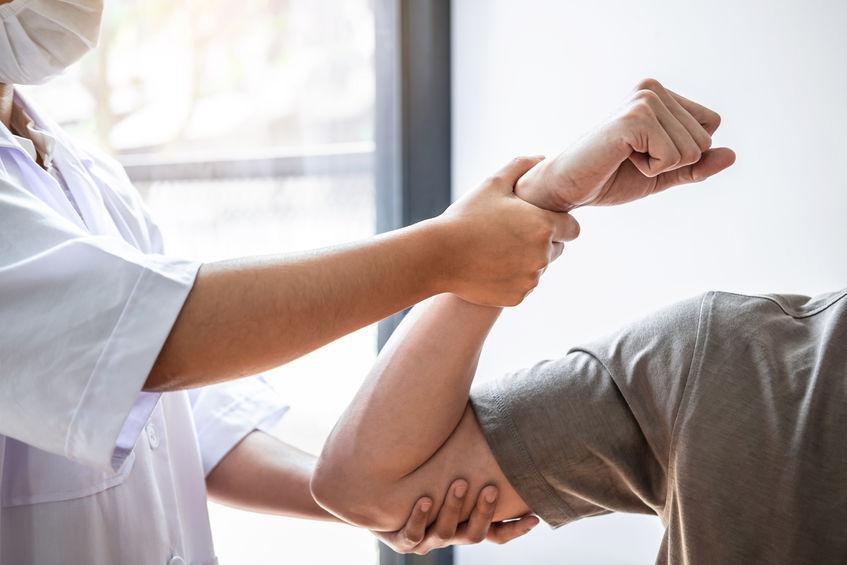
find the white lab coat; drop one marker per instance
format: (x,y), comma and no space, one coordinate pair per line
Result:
(92,470)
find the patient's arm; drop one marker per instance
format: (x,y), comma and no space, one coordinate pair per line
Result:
(410,431)
(657,140)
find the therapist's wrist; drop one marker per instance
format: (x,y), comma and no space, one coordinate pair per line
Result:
(435,256)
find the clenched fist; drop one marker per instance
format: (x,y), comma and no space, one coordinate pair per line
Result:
(657,140)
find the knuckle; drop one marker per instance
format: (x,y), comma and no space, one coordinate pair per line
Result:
(495,180)
(645,95)
(674,158)
(648,84)
(544,232)
(540,262)
(443,536)
(715,119)
(639,110)
(689,156)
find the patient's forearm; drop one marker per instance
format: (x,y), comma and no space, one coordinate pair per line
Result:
(411,402)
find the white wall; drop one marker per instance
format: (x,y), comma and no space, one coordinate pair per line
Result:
(530,76)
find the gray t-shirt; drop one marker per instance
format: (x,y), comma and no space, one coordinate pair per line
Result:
(725,415)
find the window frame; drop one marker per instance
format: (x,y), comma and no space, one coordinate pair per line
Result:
(413,152)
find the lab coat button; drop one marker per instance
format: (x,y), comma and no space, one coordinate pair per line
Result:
(153,439)
(176,560)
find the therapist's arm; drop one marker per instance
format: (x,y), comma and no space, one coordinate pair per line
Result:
(249,315)
(264,474)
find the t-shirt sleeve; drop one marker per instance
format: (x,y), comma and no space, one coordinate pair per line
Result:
(84,318)
(589,433)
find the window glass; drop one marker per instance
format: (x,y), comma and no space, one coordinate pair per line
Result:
(222,80)
(222,76)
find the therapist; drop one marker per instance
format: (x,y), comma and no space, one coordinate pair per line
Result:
(104,458)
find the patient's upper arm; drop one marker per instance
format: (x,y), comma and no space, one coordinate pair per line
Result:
(378,504)
(466,454)
(585,434)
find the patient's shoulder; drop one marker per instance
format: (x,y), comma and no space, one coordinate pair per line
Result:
(661,342)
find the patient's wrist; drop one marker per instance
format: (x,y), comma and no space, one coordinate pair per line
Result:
(538,187)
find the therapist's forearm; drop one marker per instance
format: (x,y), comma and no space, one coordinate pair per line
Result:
(246,316)
(264,474)
(249,315)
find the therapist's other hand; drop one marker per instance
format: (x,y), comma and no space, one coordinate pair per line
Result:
(657,140)
(417,537)
(497,245)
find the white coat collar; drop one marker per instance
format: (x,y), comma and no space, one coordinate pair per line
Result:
(74,167)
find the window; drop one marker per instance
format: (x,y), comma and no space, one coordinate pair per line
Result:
(248,129)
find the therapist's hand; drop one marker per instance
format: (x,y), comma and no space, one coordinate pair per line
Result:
(657,140)
(494,245)
(416,537)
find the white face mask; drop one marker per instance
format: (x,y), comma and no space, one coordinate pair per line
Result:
(41,38)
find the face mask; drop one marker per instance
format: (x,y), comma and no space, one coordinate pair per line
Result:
(41,38)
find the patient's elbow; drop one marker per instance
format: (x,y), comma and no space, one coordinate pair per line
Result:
(349,494)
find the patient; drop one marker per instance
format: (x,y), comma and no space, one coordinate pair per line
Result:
(723,415)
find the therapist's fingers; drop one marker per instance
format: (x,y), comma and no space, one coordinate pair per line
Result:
(712,162)
(556,250)
(504,532)
(565,226)
(415,529)
(476,528)
(508,175)
(444,528)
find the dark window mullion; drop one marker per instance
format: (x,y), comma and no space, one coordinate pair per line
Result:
(412,135)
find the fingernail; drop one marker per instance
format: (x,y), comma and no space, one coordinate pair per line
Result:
(426,505)
(491,497)
(460,490)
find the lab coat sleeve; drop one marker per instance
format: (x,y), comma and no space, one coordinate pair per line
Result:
(225,413)
(84,318)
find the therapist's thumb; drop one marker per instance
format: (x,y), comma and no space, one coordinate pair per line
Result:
(506,178)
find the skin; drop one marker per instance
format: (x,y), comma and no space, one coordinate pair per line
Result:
(656,140)
(410,428)
(264,474)
(249,315)
(248,307)
(7,92)
(250,475)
